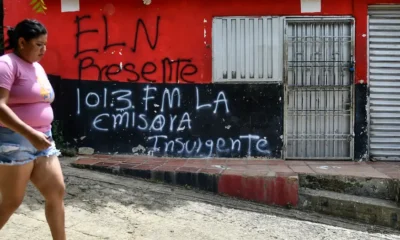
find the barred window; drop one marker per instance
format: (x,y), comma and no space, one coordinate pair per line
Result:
(247,49)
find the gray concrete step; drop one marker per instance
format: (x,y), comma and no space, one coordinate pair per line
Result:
(363,209)
(381,188)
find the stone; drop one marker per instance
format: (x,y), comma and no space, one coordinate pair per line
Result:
(86,151)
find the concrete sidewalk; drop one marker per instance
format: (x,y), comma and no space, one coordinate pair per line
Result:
(274,182)
(367,192)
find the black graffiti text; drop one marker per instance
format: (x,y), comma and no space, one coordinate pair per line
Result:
(180,69)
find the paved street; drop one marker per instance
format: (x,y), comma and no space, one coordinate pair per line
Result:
(102,206)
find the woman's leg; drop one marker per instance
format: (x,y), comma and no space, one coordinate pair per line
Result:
(48,178)
(13,182)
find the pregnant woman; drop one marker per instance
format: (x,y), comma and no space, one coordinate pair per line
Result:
(27,151)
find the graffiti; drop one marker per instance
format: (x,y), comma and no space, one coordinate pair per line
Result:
(158,113)
(196,147)
(107,45)
(112,115)
(176,70)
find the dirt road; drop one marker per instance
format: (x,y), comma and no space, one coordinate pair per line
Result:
(102,206)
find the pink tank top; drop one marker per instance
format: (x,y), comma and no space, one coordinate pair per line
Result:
(31,93)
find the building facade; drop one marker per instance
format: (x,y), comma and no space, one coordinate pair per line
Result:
(291,79)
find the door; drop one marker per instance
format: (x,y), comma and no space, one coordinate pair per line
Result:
(319,88)
(384,82)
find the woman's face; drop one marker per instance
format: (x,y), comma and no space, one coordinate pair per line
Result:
(34,49)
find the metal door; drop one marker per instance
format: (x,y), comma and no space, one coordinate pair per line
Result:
(384,82)
(319,88)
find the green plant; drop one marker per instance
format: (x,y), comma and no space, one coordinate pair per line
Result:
(39,6)
(58,137)
(57,133)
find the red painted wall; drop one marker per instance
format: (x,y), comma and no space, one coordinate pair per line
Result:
(361,15)
(180,38)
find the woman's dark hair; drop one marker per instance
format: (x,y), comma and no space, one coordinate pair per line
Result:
(27,29)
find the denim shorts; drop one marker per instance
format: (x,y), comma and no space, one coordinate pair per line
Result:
(15,149)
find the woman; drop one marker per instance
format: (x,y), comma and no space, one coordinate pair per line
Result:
(27,151)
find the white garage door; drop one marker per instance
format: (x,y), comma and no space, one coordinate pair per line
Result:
(384,80)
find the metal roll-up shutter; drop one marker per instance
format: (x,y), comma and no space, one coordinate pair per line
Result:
(384,81)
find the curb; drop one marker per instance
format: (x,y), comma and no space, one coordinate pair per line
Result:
(362,209)
(380,188)
(271,188)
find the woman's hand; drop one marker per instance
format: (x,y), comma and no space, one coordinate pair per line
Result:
(39,140)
